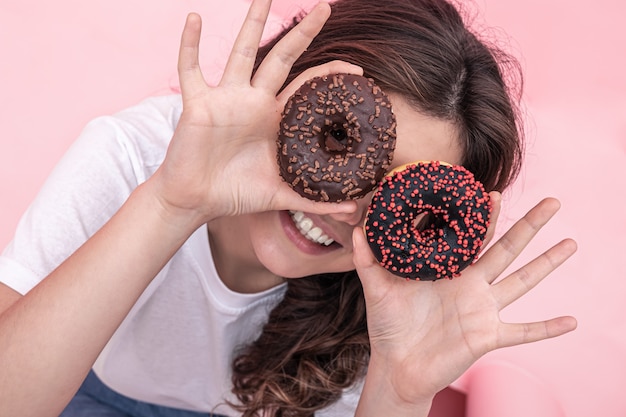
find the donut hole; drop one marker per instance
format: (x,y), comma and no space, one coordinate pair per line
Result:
(339,133)
(427,224)
(336,137)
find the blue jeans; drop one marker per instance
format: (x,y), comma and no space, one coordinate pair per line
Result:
(94,399)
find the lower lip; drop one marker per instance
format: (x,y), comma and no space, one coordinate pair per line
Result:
(301,242)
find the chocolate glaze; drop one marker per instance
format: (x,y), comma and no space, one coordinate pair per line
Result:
(336,138)
(459,210)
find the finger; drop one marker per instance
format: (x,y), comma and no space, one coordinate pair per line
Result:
(497,258)
(276,66)
(189,72)
(374,278)
(287,199)
(496,204)
(363,257)
(520,333)
(345,207)
(524,279)
(332,67)
(241,60)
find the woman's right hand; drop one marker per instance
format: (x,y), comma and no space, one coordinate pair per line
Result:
(222,158)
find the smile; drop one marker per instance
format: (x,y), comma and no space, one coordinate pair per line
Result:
(309,230)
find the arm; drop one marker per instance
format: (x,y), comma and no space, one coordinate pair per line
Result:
(50,337)
(424,335)
(48,341)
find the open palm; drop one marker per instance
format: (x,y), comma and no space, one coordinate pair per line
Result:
(428,333)
(222,158)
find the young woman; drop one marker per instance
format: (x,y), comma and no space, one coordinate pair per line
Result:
(163,254)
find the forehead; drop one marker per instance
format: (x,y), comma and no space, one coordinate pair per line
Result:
(423,138)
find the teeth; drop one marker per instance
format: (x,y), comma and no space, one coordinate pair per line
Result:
(305,225)
(309,230)
(314,233)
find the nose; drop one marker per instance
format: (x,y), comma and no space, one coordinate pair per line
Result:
(357,217)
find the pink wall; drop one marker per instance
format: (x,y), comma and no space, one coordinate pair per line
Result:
(66,62)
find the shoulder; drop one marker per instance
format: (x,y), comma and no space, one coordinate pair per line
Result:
(112,155)
(140,133)
(152,114)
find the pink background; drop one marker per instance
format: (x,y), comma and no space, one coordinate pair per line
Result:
(65,62)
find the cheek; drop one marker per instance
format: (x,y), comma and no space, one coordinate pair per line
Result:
(263,232)
(346,262)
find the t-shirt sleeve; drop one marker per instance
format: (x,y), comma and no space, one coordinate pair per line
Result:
(346,405)
(88,185)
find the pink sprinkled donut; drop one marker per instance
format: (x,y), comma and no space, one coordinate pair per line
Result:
(428,220)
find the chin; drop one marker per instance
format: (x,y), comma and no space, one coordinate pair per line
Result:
(292,264)
(292,268)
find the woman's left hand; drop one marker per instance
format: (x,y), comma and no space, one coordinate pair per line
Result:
(426,334)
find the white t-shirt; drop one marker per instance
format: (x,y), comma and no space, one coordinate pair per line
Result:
(176,346)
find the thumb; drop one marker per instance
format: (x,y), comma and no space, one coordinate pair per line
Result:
(374,278)
(362,254)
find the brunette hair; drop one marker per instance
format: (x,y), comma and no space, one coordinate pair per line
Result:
(315,343)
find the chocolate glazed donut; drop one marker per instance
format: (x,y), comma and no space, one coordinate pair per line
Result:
(337,137)
(454,210)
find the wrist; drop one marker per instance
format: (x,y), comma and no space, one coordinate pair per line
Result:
(177,203)
(178,219)
(382,395)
